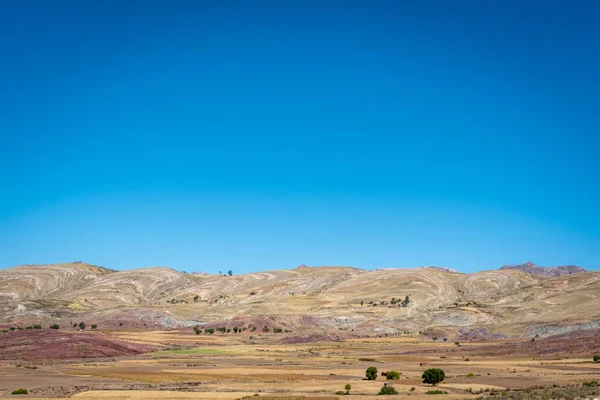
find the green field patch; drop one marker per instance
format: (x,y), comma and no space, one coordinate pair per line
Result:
(188,352)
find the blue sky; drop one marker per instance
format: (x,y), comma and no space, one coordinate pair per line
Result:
(253,135)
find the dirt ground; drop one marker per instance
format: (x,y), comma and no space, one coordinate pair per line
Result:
(230,367)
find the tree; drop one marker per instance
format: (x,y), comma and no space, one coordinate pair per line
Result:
(362,303)
(94,326)
(371,373)
(55,326)
(266,329)
(196,298)
(230,272)
(387,390)
(82,325)
(596,358)
(197,330)
(405,301)
(348,387)
(209,330)
(393,375)
(433,376)
(235,329)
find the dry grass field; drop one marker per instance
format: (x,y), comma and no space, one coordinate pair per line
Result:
(228,367)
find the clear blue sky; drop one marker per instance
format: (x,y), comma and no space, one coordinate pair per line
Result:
(253,135)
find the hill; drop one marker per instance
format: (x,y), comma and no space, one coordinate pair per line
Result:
(334,301)
(531,268)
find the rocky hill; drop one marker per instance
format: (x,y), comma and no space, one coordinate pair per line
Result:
(531,268)
(334,301)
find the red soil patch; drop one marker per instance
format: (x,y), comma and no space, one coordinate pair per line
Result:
(54,344)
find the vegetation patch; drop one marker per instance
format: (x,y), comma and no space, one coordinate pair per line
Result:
(188,352)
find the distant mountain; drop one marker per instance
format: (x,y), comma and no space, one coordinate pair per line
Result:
(531,268)
(443,269)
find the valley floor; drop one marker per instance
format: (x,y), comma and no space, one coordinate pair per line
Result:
(232,367)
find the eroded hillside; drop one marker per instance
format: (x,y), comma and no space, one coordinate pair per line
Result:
(339,301)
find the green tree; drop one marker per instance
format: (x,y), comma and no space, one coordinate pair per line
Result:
(348,387)
(20,391)
(596,358)
(371,373)
(230,272)
(94,326)
(433,376)
(55,326)
(387,390)
(196,298)
(82,325)
(266,329)
(393,375)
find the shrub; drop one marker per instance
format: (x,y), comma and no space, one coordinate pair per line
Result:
(457,343)
(277,330)
(371,373)
(82,325)
(437,392)
(55,326)
(209,330)
(339,393)
(197,330)
(433,376)
(388,390)
(20,391)
(37,327)
(596,358)
(29,327)
(94,326)
(393,375)
(235,329)
(120,324)
(412,389)
(266,329)
(12,328)
(590,384)
(74,325)
(470,375)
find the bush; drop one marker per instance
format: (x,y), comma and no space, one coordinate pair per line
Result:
(37,327)
(596,358)
(470,375)
(393,375)
(266,329)
(371,373)
(277,330)
(388,390)
(55,326)
(120,324)
(590,384)
(82,325)
(457,343)
(437,392)
(339,393)
(12,328)
(94,326)
(433,376)
(209,330)
(20,391)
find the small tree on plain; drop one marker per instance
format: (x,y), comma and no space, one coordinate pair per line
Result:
(388,390)
(371,373)
(433,376)
(348,387)
(393,375)
(596,358)
(82,325)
